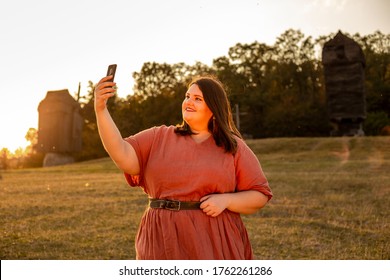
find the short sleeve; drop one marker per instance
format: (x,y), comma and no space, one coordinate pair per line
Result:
(249,174)
(142,143)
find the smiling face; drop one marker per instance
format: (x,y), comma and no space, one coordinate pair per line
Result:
(195,111)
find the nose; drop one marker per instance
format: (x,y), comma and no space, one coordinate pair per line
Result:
(188,101)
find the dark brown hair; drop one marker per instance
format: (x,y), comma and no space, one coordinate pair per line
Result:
(221,125)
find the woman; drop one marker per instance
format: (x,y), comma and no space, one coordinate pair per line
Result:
(199,176)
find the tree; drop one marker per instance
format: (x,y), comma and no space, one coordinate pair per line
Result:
(376,48)
(4,156)
(33,158)
(154,79)
(245,72)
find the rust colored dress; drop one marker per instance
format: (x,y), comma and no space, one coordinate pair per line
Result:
(176,167)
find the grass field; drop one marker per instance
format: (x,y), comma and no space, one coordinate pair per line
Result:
(331,202)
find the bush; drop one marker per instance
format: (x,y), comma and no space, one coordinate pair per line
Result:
(374,123)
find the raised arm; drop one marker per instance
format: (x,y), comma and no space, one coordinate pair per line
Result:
(121,152)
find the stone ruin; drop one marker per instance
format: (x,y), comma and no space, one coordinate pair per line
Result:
(344,64)
(59,128)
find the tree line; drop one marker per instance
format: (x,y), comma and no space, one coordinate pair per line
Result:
(275,90)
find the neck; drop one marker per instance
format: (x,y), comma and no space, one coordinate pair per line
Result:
(200,136)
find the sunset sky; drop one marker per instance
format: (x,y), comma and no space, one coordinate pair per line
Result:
(51,45)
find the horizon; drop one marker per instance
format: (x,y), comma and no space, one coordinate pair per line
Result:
(47,49)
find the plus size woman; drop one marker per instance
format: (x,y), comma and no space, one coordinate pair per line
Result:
(199,177)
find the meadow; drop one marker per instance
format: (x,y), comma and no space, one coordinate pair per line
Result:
(331,202)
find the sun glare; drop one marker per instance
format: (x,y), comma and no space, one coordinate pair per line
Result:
(14,140)
(13,135)
(16,118)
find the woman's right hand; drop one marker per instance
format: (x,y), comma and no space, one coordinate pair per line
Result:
(103,91)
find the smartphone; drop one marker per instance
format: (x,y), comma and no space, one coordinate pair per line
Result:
(111,71)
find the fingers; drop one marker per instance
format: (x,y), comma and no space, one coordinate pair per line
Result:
(103,91)
(211,213)
(209,208)
(104,79)
(105,86)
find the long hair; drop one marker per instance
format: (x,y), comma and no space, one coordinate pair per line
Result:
(221,125)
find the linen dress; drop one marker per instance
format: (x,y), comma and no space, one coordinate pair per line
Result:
(175,167)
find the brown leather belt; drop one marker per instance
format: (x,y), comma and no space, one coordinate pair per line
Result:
(174,205)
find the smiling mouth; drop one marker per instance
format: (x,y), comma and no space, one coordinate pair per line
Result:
(189,110)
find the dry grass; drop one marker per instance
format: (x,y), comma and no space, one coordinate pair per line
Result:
(80,211)
(332,201)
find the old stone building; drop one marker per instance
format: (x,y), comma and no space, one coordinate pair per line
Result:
(344,64)
(59,127)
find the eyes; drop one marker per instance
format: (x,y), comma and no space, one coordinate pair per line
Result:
(196,97)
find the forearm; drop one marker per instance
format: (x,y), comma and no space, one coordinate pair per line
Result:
(246,202)
(111,137)
(121,152)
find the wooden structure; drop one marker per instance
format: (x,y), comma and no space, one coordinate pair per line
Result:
(344,64)
(59,126)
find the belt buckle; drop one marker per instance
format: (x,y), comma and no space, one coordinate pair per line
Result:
(173,205)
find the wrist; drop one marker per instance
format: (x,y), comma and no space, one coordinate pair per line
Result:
(228,198)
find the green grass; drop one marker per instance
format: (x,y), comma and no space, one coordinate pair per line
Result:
(331,201)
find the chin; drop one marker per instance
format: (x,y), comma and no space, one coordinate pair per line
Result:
(187,118)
